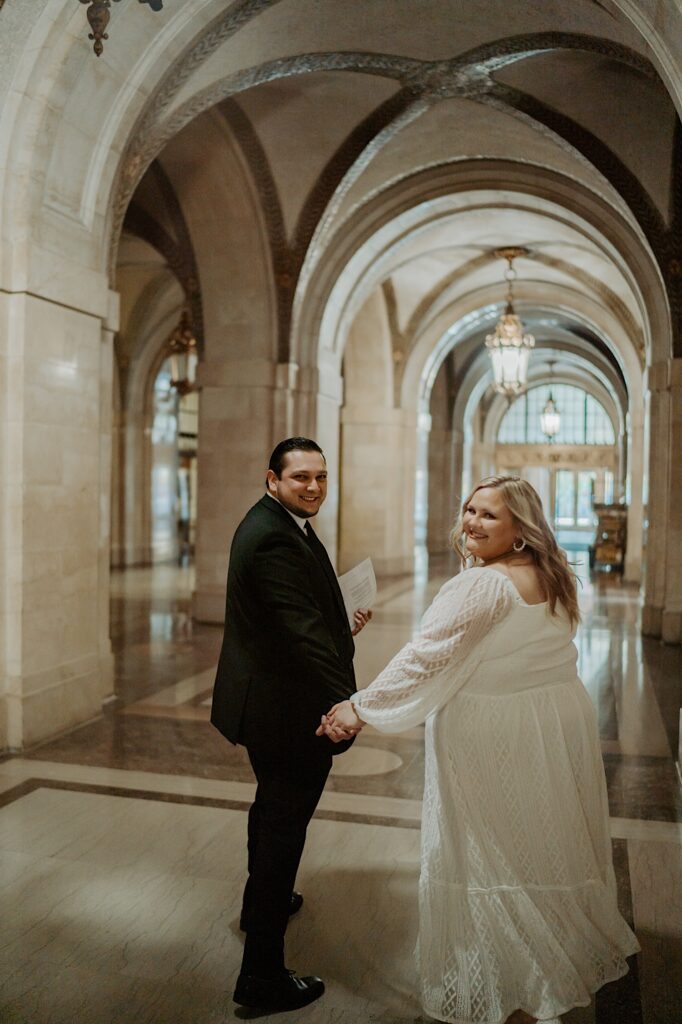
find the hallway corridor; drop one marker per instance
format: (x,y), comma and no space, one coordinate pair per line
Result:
(122,843)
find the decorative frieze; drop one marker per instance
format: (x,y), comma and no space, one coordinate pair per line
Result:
(559,456)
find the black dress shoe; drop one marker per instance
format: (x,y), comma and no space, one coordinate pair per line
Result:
(294,907)
(283,992)
(296,903)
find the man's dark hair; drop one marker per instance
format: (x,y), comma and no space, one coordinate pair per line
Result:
(292,444)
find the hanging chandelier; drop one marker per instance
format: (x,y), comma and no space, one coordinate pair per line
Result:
(550,419)
(99,15)
(183,352)
(508,346)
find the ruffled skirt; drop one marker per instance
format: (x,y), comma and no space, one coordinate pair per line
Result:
(517,892)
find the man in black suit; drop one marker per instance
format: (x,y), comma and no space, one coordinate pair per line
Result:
(287,656)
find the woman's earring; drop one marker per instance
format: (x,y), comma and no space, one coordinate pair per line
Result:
(514,547)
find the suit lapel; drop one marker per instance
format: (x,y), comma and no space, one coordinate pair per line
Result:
(320,553)
(317,548)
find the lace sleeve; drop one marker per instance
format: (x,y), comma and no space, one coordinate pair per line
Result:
(433,666)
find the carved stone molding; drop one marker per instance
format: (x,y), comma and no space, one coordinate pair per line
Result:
(347,163)
(516,456)
(468,76)
(280,252)
(410,112)
(177,251)
(287,257)
(448,79)
(134,163)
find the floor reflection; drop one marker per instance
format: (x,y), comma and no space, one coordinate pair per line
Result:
(165,663)
(153,782)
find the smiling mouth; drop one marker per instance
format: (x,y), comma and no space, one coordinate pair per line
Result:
(477,536)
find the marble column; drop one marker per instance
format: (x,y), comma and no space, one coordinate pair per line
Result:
(671,623)
(442,500)
(56,364)
(235,440)
(322,391)
(635,474)
(660,497)
(135,479)
(378,468)
(106,445)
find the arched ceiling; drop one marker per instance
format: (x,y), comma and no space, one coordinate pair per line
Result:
(334,104)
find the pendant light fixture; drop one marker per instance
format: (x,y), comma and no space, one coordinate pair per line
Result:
(550,419)
(508,345)
(182,349)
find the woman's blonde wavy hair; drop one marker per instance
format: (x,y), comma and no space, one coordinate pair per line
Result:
(557,581)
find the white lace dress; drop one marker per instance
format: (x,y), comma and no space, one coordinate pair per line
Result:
(517,896)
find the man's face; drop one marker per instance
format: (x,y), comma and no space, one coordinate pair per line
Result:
(302,486)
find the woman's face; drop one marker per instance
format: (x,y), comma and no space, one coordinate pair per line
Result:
(488,524)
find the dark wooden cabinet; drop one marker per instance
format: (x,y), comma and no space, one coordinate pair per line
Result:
(608,549)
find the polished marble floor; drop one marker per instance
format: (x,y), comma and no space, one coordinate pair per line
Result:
(122,843)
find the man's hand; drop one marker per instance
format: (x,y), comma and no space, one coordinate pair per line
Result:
(361,617)
(335,733)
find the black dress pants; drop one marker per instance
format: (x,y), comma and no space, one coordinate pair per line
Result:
(288,792)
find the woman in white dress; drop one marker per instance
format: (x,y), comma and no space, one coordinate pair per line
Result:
(518,918)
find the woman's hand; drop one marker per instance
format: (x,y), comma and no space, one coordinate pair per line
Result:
(341,723)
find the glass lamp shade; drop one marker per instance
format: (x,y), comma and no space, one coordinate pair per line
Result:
(509,350)
(550,420)
(183,357)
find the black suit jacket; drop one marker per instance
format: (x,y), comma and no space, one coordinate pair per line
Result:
(287,652)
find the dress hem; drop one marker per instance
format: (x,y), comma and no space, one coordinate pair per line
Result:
(615,976)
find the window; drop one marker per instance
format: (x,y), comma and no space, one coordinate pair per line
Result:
(574,497)
(585,497)
(165,425)
(564,504)
(608,488)
(583,419)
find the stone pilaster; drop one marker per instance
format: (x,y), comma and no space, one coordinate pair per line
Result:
(235,439)
(658,399)
(55,407)
(671,623)
(635,471)
(378,463)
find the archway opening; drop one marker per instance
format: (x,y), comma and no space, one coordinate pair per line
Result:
(173,486)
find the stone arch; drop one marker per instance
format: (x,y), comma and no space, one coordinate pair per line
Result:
(370,231)
(475,313)
(362,253)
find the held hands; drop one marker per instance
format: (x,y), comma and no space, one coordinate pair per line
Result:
(360,619)
(341,723)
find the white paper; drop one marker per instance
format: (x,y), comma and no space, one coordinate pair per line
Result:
(358,588)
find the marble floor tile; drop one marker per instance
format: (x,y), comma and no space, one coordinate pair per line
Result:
(183,691)
(118,910)
(364,760)
(651,831)
(656,882)
(138,902)
(120,874)
(123,910)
